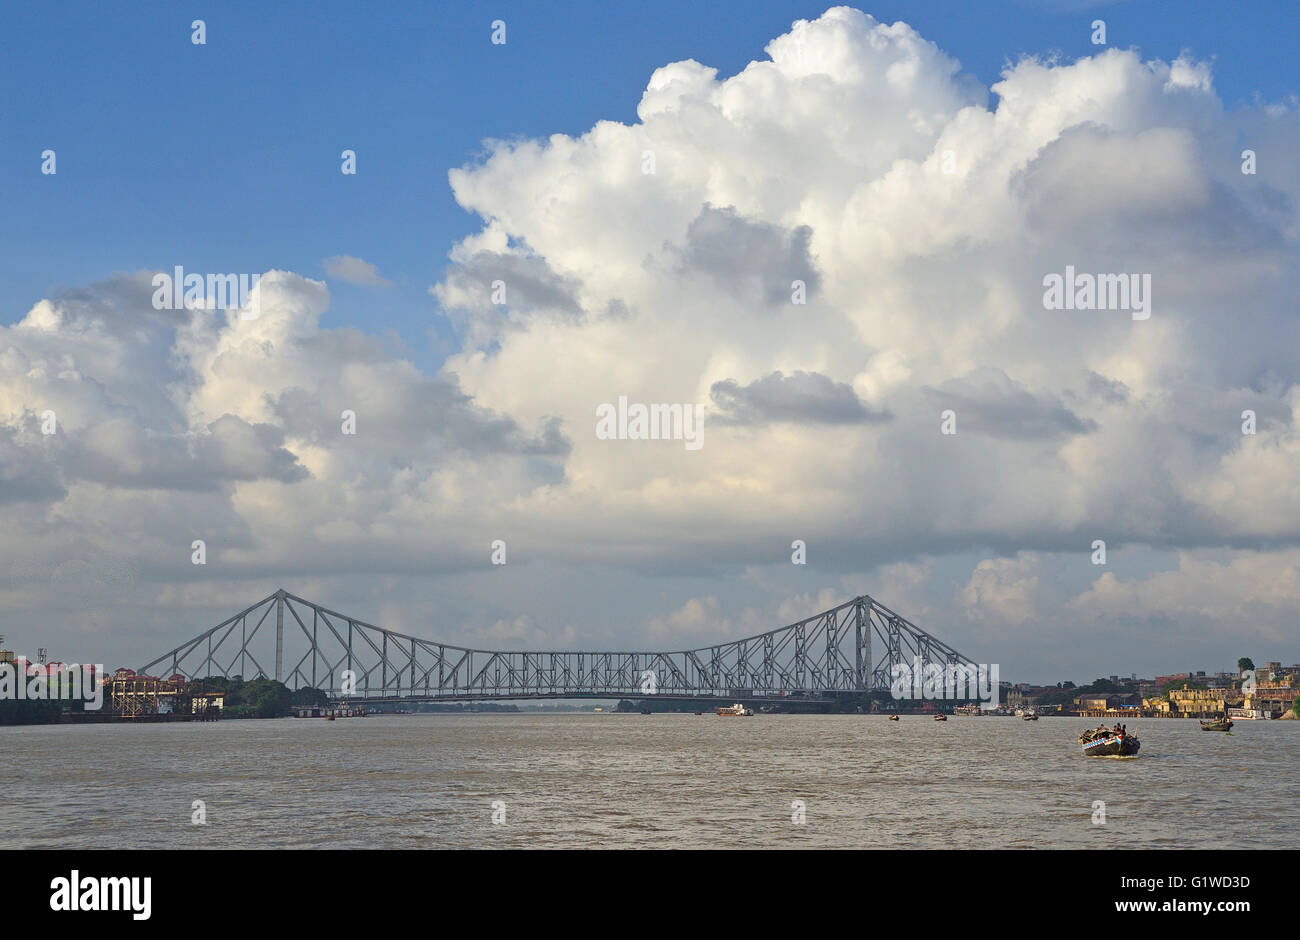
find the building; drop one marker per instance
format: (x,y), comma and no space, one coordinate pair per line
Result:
(146,697)
(1198,702)
(1097,701)
(1274,697)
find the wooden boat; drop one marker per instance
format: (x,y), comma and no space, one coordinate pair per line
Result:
(1106,742)
(1216,724)
(941,717)
(893,718)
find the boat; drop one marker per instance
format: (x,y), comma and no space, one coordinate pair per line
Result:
(1030,715)
(893,718)
(1107,742)
(735,711)
(1217,724)
(1250,714)
(645,711)
(941,717)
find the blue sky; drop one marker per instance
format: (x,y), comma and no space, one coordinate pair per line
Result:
(225,157)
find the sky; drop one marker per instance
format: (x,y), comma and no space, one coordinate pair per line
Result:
(919,167)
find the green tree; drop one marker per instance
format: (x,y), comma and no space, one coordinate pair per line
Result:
(1245,663)
(309,698)
(1295,706)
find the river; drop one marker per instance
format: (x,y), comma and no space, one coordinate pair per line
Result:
(655,781)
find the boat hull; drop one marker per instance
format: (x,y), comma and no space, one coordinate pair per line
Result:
(1113,746)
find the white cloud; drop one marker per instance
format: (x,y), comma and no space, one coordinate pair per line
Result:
(354,271)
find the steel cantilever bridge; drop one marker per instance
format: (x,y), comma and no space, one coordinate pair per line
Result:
(831,652)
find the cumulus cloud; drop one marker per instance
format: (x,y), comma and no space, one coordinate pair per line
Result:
(921,211)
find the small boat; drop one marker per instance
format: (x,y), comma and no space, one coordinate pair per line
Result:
(645,711)
(1106,742)
(893,718)
(1030,716)
(699,713)
(941,717)
(735,711)
(1217,724)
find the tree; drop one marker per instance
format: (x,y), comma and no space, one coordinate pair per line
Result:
(1295,706)
(310,698)
(1245,663)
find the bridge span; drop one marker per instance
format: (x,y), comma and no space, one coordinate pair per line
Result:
(849,648)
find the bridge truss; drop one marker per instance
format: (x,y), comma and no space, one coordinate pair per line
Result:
(305,645)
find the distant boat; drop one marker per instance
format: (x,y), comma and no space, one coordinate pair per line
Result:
(1217,724)
(893,718)
(1030,715)
(735,711)
(941,717)
(645,711)
(1249,714)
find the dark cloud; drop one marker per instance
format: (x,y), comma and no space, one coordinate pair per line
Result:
(991,402)
(801,397)
(26,472)
(530,283)
(755,261)
(1111,391)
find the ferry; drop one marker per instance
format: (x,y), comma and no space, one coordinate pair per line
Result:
(1249,714)
(735,711)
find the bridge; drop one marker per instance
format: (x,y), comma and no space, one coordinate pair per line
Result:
(306,645)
